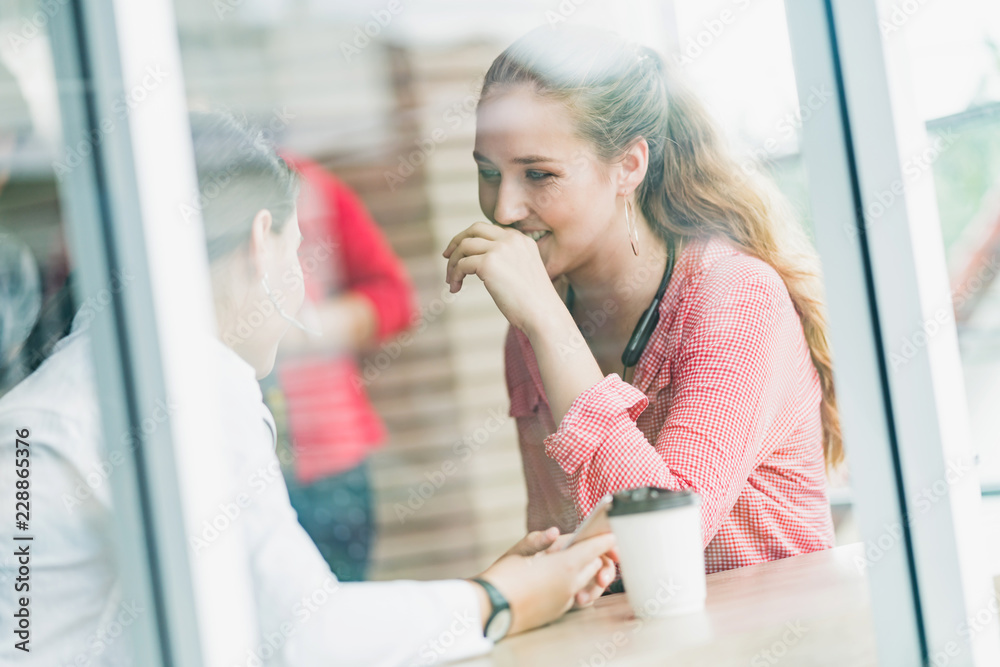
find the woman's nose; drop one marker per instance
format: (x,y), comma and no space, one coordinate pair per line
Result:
(511,206)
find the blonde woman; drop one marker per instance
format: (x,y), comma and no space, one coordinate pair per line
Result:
(626,243)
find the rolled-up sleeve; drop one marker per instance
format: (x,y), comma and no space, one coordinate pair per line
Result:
(610,406)
(727,386)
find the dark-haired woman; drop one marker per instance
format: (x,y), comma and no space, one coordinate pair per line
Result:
(610,193)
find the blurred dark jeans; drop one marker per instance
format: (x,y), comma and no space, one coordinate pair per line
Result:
(337,514)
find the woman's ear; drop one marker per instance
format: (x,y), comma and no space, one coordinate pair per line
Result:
(259,247)
(633,166)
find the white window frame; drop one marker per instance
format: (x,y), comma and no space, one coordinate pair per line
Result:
(885,276)
(123,208)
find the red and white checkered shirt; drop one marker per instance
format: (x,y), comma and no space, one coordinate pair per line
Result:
(733,413)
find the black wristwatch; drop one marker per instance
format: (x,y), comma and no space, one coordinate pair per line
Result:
(498,624)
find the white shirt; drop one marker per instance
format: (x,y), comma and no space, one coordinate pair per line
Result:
(305,616)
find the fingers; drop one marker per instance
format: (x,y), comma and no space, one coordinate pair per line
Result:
(584,578)
(591,548)
(538,540)
(546,538)
(585,558)
(476,229)
(560,543)
(588,595)
(605,575)
(466,266)
(471,246)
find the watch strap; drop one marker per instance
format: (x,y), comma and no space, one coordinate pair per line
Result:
(498,602)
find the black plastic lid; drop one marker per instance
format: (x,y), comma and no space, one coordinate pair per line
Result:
(650,499)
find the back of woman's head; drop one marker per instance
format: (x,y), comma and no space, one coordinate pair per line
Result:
(618,93)
(239,174)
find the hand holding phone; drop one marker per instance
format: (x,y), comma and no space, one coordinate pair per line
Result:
(595,524)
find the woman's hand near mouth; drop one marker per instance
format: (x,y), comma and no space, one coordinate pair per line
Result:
(509,264)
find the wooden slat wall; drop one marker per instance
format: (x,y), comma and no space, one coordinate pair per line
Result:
(444,386)
(357,118)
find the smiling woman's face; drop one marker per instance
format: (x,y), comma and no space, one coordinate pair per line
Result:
(536,175)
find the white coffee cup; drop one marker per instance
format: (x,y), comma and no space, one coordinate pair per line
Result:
(659,538)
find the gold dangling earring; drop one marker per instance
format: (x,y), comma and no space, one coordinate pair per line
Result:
(632,227)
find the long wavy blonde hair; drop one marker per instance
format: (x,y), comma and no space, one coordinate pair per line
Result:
(618,93)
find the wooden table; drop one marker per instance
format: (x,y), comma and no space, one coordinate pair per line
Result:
(805,610)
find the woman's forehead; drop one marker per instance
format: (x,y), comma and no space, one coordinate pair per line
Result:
(519,123)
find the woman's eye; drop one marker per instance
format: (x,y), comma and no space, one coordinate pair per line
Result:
(535,175)
(489,174)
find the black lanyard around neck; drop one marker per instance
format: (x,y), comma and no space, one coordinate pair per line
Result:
(647,321)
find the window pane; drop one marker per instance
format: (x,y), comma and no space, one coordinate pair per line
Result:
(737,56)
(403,434)
(953,61)
(61,563)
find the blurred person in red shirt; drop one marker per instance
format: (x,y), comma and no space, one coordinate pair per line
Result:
(360,295)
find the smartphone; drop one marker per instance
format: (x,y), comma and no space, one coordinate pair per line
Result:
(595,524)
